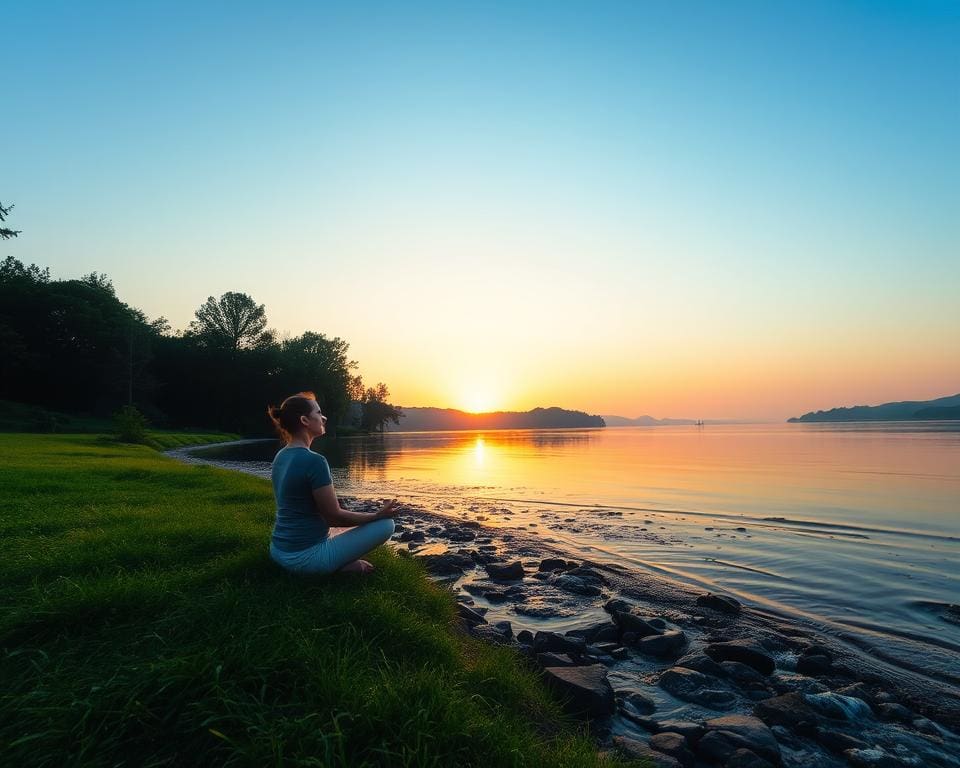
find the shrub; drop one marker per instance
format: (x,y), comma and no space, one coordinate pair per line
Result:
(130,425)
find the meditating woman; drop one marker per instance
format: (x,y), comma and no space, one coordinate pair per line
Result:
(307,503)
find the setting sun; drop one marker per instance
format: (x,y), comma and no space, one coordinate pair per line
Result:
(477,402)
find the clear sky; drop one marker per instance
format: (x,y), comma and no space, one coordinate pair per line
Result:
(718,209)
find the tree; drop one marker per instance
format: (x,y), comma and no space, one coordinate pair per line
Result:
(234,321)
(5,233)
(376,410)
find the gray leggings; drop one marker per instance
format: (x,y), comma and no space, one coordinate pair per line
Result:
(334,552)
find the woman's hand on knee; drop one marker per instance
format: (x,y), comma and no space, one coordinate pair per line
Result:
(390,509)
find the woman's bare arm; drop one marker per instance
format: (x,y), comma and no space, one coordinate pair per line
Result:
(328,506)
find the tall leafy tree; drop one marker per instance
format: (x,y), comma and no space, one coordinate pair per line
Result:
(376,410)
(234,320)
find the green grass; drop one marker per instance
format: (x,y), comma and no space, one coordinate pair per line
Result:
(144,624)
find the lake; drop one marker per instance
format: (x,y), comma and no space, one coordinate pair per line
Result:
(851,528)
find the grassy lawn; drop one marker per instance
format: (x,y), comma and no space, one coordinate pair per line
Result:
(144,624)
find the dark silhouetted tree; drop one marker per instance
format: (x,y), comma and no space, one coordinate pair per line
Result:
(5,233)
(376,410)
(235,321)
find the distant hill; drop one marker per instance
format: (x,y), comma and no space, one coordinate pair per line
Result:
(644,421)
(909,410)
(431,419)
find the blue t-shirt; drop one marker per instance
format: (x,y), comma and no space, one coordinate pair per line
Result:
(295,473)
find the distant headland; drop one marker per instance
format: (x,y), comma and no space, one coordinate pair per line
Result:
(435,419)
(943,408)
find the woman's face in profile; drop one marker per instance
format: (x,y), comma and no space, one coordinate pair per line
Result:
(316,421)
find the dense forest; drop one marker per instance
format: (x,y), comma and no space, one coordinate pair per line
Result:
(73,346)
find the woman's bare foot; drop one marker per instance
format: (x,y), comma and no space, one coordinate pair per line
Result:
(357,566)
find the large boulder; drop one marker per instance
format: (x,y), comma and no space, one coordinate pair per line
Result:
(743,731)
(746,651)
(585,690)
(690,685)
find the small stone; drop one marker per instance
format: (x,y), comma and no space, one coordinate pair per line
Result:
(630,622)
(525,636)
(553,564)
(837,741)
(576,585)
(555,660)
(745,651)
(744,758)
(790,709)
(871,758)
(491,634)
(895,712)
(637,749)
(746,732)
(742,674)
(551,641)
(689,730)
(688,685)
(720,603)
(813,665)
(670,643)
(469,615)
(640,702)
(675,745)
(701,663)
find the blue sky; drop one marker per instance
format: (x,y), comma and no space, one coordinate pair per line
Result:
(700,209)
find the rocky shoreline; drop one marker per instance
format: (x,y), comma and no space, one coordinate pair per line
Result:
(675,676)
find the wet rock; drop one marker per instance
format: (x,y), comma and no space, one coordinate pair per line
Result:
(619,654)
(639,627)
(670,643)
(675,745)
(505,571)
(691,731)
(576,585)
(923,725)
(449,563)
(640,702)
(790,709)
(617,605)
(741,731)
(814,665)
(469,615)
(556,660)
(544,642)
(638,750)
(871,758)
(720,603)
(837,741)
(701,663)
(859,691)
(525,636)
(746,651)
(553,564)
(744,758)
(586,690)
(743,675)
(838,707)
(695,687)
(895,712)
(818,649)
(601,632)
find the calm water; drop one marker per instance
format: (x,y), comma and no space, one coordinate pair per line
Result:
(853,528)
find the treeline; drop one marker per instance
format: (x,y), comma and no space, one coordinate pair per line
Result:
(74,346)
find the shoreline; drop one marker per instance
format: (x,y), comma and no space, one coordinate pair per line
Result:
(571,600)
